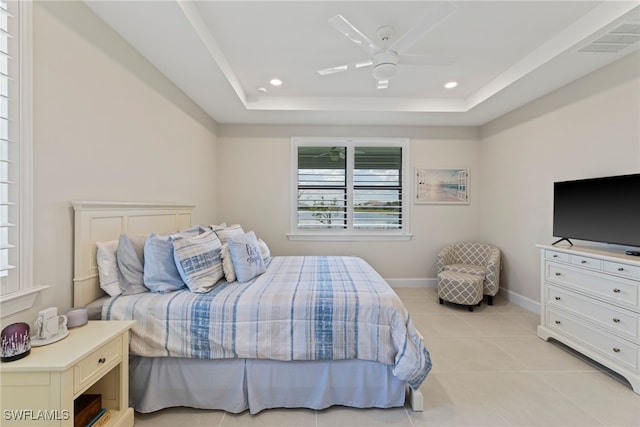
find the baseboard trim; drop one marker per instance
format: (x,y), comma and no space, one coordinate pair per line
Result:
(522,301)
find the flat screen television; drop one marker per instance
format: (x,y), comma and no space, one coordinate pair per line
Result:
(598,209)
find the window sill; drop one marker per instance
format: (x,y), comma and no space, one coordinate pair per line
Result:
(351,237)
(19,301)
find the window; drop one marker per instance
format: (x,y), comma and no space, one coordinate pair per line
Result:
(349,188)
(16,288)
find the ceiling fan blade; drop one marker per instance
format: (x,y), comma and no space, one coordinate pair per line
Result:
(405,59)
(333,70)
(426,24)
(341,24)
(345,67)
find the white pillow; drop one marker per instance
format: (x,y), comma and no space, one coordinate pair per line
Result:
(130,257)
(108,267)
(266,253)
(224,233)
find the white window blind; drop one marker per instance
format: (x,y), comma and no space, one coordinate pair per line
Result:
(9,148)
(349,187)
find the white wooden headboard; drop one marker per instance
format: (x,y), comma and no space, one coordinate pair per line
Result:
(105,221)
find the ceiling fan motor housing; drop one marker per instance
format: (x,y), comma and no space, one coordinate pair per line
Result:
(384,65)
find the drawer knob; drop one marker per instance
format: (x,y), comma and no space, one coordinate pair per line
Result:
(616,290)
(557,322)
(102,360)
(558,274)
(616,350)
(615,320)
(555,256)
(620,269)
(557,298)
(584,261)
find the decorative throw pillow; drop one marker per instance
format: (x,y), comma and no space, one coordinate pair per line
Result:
(224,233)
(246,257)
(160,272)
(198,260)
(266,253)
(227,264)
(108,267)
(130,257)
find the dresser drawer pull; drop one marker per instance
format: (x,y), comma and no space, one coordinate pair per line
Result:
(555,256)
(558,274)
(616,350)
(615,320)
(620,269)
(616,290)
(557,322)
(584,261)
(557,298)
(102,360)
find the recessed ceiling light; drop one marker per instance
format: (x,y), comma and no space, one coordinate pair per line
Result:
(450,85)
(261,90)
(275,82)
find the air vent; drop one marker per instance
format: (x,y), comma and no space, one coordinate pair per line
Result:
(615,40)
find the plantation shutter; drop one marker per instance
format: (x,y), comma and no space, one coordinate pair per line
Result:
(9,149)
(377,188)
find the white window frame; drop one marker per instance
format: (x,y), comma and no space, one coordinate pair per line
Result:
(24,298)
(349,234)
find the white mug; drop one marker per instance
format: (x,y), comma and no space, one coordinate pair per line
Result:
(49,323)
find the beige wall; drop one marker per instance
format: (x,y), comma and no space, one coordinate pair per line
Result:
(255,179)
(587,129)
(107,126)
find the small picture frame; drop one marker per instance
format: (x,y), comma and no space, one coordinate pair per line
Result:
(442,186)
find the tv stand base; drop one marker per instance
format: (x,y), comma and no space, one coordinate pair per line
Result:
(561,240)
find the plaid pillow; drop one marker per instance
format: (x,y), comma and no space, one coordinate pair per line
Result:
(198,260)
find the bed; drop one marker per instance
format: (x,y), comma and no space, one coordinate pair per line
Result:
(309,332)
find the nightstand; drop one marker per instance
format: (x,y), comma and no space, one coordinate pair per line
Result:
(93,359)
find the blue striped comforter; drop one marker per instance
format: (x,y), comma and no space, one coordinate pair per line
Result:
(302,308)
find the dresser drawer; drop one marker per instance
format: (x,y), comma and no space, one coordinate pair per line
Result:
(556,256)
(616,290)
(616,321)
(96,364)
(620,269)
(584,261)
(614,348)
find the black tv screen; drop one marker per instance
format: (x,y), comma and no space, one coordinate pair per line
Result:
(598,209)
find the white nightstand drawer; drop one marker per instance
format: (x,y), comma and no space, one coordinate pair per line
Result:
(622,351)
(584,261)
(96,364)
(626,270)
(616,320)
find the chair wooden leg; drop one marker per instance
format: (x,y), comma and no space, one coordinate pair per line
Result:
(470,308)
(441,300)
(490,299)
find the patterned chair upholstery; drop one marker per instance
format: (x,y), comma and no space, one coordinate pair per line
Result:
(475,258)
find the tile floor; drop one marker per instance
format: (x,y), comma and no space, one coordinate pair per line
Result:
(489,369)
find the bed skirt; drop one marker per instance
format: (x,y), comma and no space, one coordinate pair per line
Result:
(235,385)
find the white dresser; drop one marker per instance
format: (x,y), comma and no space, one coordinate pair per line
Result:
(590,301)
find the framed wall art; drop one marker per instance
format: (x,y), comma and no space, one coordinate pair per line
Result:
(442,186)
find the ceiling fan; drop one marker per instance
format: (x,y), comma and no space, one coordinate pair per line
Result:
(385,57)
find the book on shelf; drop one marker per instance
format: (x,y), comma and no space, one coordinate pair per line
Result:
(100,420)
(85,409)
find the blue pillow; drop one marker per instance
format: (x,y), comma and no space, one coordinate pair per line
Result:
(246,257)
(198,260)
(160,272)
(130,258)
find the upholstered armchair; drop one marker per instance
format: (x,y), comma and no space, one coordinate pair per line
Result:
(474,258)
